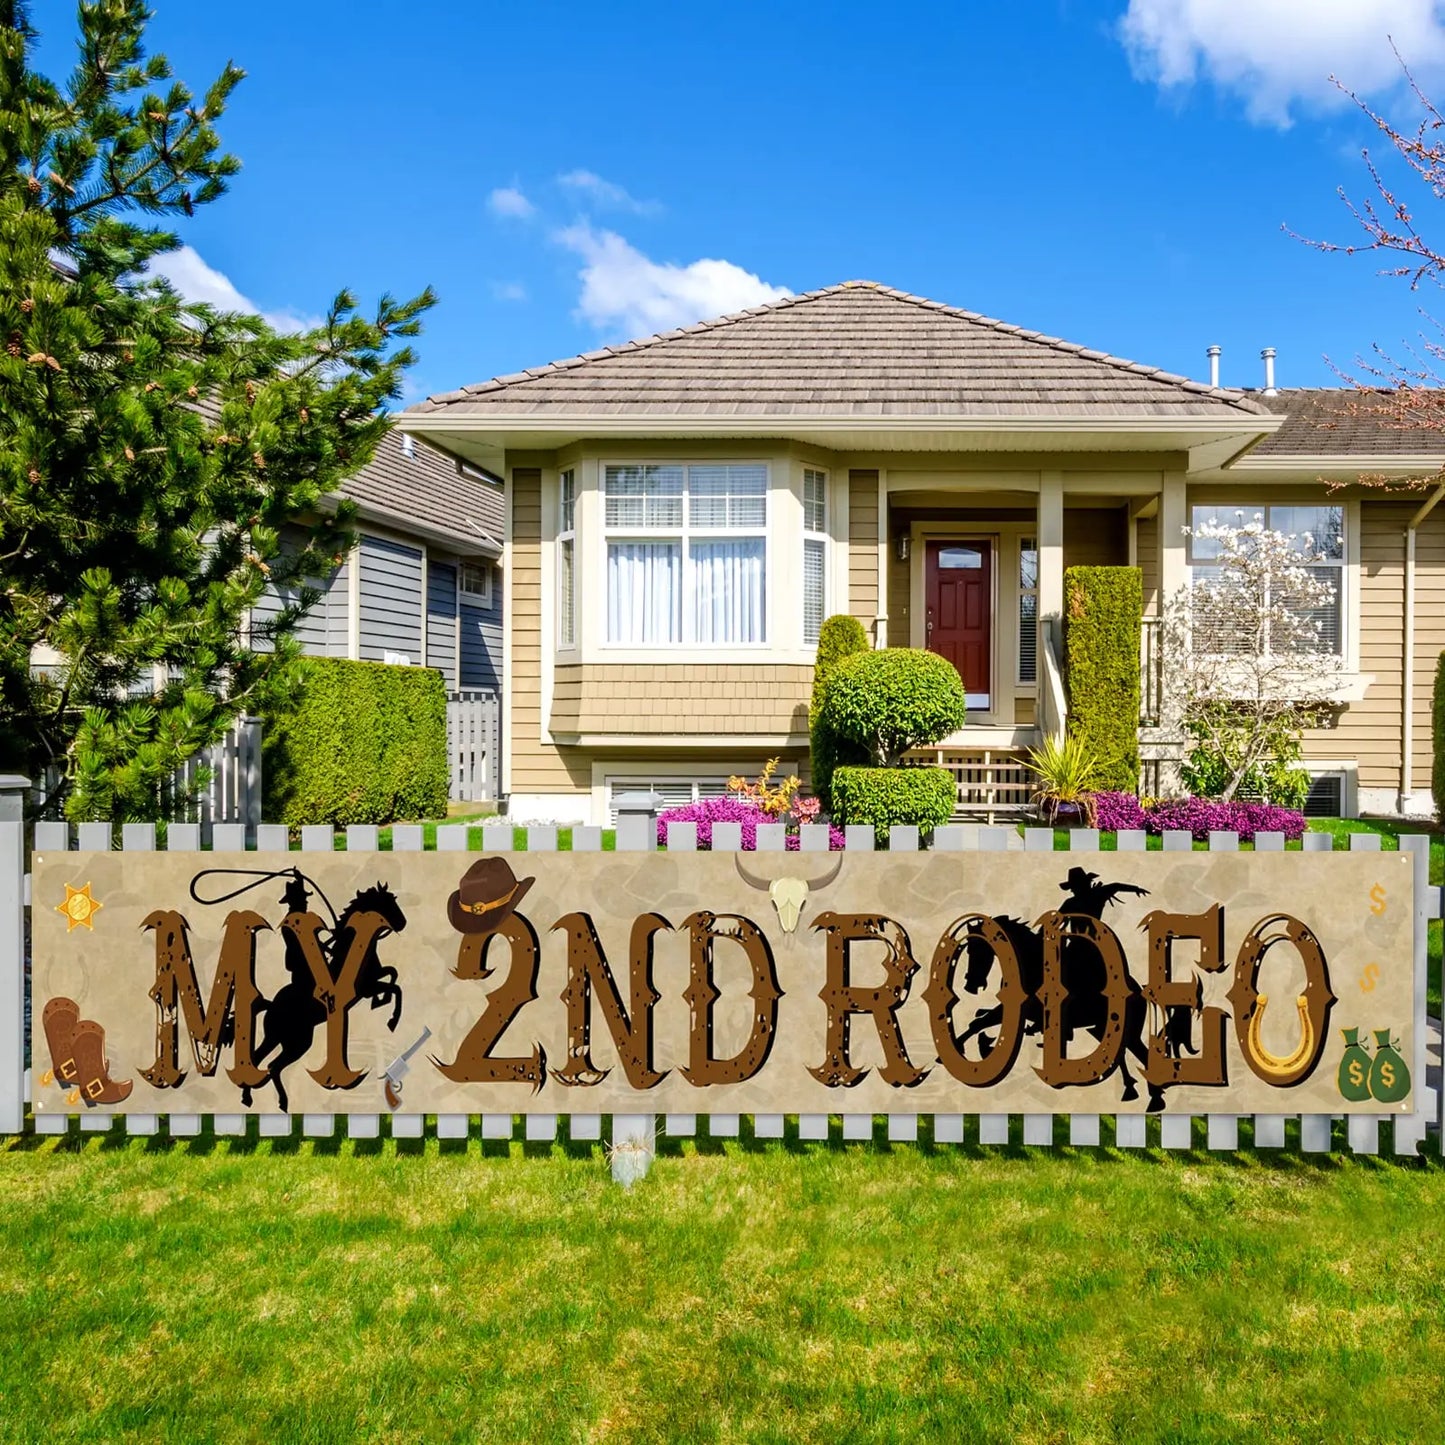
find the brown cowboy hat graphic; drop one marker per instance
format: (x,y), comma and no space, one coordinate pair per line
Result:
(77,1053)
(487,895)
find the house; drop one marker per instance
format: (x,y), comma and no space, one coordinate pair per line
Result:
(422,588)
(682,512)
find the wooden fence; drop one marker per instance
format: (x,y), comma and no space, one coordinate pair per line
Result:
(474,745)
(1361,1134)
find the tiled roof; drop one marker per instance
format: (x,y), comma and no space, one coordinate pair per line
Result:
(1341,422)
(426,488)
(858,349)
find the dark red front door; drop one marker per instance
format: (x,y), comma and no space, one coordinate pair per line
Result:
(958,593)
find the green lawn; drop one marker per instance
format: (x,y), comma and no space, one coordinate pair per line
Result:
(242,1290)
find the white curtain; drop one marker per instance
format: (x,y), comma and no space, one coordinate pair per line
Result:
(727,589)
(644,592)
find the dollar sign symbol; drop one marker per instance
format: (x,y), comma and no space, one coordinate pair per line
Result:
(1357,1074)
(1368,978)
(1387,1075)
(1377,899)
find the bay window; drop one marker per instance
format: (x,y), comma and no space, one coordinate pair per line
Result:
(567,559)
(1316,534)
(686,553)
(815,552)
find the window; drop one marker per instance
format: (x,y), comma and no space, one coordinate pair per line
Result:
(1317,532)
(474,579)
(686,553)
(1028,610)
(567,560)
(815,552)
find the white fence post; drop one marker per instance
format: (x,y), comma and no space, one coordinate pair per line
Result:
(13,791)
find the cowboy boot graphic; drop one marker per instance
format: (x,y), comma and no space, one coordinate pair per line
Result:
(77,1053)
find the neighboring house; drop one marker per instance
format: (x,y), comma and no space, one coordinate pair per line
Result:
(682,512)
(422,588)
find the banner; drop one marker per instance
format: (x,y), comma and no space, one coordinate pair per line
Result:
(723,983)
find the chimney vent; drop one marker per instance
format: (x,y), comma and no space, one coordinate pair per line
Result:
(1213,355)
(408,445)
(1267,355)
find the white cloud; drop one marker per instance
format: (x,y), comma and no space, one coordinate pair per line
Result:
(624,291)
(605,194)
(510,202)
(508,291)
(1276,54)
(197,281)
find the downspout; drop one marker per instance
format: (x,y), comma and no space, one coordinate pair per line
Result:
(1407,680)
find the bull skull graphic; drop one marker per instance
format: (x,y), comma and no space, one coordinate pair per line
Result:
(789,895)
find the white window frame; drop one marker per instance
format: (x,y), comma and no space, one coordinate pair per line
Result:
(477,599)
(1026,543)
(684,535)
(1346,650)
(567,502)
(821,537)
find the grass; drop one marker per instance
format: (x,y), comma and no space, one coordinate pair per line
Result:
(243,1290)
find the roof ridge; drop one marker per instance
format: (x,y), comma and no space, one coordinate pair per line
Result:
(1071,348)
(1238,398)
(713,323)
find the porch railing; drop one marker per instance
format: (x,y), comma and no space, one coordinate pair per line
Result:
(990,782)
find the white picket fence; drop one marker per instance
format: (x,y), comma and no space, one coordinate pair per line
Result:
(1315,1133)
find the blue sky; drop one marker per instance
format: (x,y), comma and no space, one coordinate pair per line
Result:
(1113,171)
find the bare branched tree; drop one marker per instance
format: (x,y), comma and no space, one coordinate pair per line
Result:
(1401,389)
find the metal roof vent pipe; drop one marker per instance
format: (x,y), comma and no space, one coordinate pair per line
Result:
(1213,354)
(1267,356)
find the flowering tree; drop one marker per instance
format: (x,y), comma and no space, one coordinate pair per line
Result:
(1254,664)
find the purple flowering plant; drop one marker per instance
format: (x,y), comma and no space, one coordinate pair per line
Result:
(708,811)
(1197,816)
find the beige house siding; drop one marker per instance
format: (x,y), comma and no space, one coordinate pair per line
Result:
(671,700)
(537,767)
(1095,537)
(863,546)
(1147,550)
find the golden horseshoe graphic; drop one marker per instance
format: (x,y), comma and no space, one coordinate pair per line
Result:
(1273,1065)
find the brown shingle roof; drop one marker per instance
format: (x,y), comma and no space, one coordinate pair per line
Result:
(426,488)
(1341,422)
(858,349)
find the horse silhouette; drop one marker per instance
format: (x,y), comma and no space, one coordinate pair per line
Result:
(292,1016)
(1086,1008)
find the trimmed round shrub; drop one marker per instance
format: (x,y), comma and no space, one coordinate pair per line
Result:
(840,637)
(892,700)
(885,797)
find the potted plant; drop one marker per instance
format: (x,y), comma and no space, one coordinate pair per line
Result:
(1066,775)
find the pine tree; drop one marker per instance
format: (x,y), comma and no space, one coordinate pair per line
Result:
(152,450)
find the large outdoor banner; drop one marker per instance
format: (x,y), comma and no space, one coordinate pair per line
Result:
(723,983)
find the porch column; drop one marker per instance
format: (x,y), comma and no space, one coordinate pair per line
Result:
(1173,518)
(1051,548)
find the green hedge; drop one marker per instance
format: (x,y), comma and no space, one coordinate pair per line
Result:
(1103,608)
(1437,731)
(839,637)
(366,743)
(894,699)
(884,797)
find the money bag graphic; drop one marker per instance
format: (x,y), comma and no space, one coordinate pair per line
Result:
(1354,1075)
(1389,1078)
